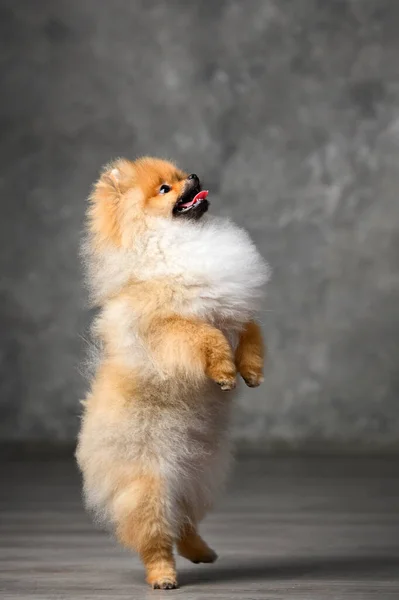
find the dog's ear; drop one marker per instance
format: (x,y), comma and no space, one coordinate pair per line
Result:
(117,177)
(104,202)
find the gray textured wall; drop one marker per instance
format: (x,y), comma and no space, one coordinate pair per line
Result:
(290,111)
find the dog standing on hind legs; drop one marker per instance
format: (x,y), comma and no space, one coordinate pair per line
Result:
(177,293)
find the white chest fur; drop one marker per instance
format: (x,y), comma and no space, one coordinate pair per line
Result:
(213,261)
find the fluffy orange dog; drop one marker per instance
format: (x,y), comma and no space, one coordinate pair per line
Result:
(177,292)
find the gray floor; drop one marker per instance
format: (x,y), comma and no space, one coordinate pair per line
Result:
(287,528)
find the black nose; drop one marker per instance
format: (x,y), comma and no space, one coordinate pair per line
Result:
(194,177)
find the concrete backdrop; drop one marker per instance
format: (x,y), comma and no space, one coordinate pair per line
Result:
(289,110)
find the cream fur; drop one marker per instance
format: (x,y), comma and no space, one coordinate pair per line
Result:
(215,261)
(208,269)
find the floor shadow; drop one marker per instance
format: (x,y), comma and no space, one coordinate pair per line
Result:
(311,568)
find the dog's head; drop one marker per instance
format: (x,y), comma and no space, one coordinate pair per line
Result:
(129,193)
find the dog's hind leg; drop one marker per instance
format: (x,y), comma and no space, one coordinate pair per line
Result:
(140,514)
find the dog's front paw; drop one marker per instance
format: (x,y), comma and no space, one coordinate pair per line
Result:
(252,378)
(227,385)
(224,374)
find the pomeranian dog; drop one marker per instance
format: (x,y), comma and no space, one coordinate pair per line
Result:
(177,293)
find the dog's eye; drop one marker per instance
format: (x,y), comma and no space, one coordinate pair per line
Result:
(164,189)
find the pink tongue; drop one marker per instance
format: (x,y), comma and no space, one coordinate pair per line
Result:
(200,196)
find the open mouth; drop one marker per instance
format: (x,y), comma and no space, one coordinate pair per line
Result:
(194,207)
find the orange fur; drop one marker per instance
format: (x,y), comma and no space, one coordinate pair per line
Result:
(250,354)
(190,545)
(124,191)
(145,529)
(129,406)
(194,348)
